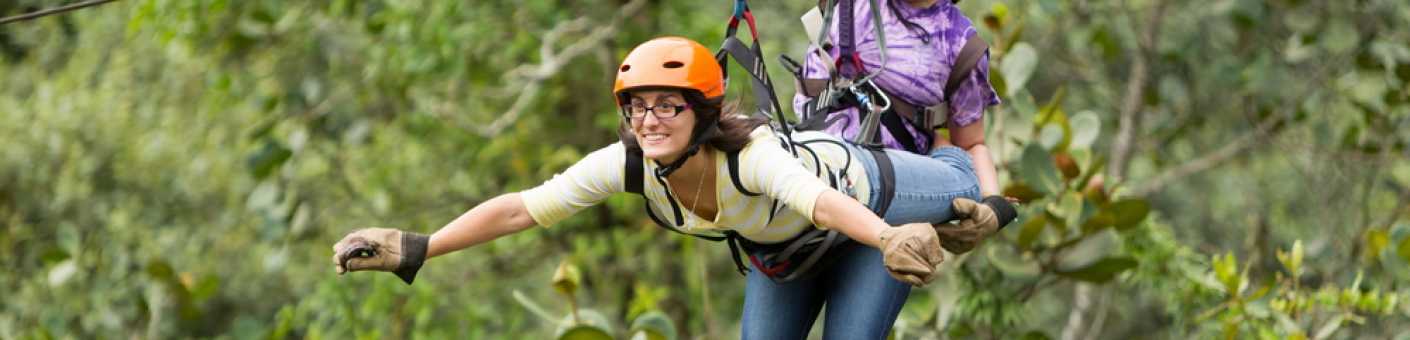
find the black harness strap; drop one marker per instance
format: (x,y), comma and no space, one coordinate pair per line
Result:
(633,180)
(968,59)
(732,160)
(893,122)
(974,47)
(888,181)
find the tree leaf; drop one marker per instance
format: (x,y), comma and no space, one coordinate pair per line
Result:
(592,325)
(1051,136)
(1018,65)
(1012,265)
(1036,335)
(1086,126)
(1128,213)
(268,158)
(1022,192)
(1330,327)
(1376,241)
(584,332)
(656,326)
(1031,230)
(1404,249)
(1101,271)
(1038,171)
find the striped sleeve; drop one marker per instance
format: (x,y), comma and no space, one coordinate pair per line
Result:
(584,184)
(764,164)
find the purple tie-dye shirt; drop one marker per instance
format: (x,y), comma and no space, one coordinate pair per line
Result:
(916,70)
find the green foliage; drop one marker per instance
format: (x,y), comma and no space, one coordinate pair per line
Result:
(177,169)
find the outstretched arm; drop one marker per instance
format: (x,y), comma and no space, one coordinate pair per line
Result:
(909,252)
(496,217)
(849,217)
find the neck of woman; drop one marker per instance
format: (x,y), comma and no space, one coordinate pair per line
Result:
(695,166)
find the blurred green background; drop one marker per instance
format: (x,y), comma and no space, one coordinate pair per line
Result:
(178,168)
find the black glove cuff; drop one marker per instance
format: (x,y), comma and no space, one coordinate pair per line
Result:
(1002,208)
(413,254)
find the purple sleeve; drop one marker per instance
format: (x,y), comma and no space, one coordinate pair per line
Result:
(974,95)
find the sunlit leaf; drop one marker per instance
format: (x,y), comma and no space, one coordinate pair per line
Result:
(1292,260)
(1000,12)
(1331,326)
(1376,241)
(1018,66)
(62,272)
(1086,126)
(1050,136)
(1226,271)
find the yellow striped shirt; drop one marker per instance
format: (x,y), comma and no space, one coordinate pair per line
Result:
(764,167)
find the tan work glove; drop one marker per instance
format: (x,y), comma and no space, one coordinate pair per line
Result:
(911,252)
(381,249)
(976,221)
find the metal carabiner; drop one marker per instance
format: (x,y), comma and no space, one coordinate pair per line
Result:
(871,122)
(882,94)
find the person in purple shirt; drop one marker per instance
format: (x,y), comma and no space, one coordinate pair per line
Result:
(923,39)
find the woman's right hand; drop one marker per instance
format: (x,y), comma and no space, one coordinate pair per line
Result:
(381,249)
(911,252)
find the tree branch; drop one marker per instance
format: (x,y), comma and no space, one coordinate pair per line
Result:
(1127,122)
(52,11)
(1082,301)
(532,76)
(1210,160)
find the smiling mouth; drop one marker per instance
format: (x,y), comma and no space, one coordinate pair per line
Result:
(654,137)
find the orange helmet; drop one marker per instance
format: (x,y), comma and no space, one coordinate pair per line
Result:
(670,62)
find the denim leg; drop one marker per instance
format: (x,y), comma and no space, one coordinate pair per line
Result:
(925,185)
(863,300)
(779,311)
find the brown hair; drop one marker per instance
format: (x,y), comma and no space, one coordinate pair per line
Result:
(718,124)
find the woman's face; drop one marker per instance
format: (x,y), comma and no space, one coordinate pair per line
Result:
(661,121)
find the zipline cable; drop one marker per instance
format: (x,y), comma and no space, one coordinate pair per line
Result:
(51,11)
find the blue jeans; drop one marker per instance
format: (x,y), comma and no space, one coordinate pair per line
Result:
(862,298)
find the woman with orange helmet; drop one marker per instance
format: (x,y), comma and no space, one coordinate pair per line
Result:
(717,174)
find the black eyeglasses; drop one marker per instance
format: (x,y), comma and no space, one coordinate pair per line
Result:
(661,110)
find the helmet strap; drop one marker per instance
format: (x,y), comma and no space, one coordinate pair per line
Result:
(694,147)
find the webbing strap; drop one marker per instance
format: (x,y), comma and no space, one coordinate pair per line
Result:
(760,83)
(893,123)
(888,181)
(974,47)
(732,162)
(633,181)
(846,45)
(633,170)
